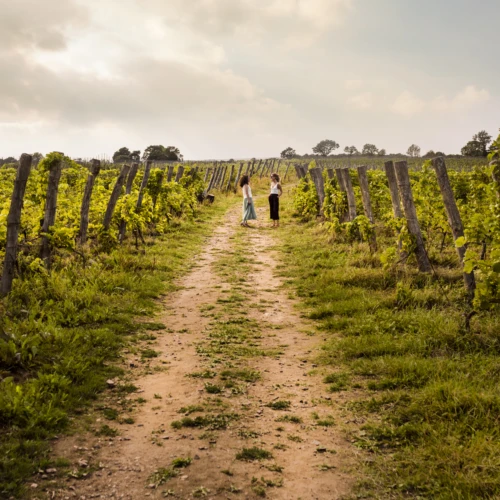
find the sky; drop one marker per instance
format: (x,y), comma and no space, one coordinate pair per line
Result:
(224,79)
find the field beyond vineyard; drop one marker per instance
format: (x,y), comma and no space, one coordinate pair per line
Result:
(188,357)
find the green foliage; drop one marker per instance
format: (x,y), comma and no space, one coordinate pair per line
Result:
(427,386)
(252,454)
(305,201)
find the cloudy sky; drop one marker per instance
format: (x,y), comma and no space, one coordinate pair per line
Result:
(243,78)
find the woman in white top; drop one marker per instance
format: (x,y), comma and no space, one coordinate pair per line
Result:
(274,199)
(248,206)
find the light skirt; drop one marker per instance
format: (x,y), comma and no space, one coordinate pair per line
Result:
(248,211)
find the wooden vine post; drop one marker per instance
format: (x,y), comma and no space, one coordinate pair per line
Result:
(49,217)
(14,223)
(95,168)
(330,173)
(115,194)
(228,187)
(454,219)
(170,173)
(144,183)
(404,186)
(128,189)
(317,177)
(207,173)
(223,176)
(367,204)
(351,200)
(238,177)
(286,171)
(390,173)
(180,173)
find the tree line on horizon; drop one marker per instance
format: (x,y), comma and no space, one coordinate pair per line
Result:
(477,147)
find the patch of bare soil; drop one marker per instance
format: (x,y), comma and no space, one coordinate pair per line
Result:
(234,371)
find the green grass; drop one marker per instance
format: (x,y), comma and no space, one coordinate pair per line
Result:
(427,387)
(279,405)
(289,418)
(65,330)
(212,422)
(253,454)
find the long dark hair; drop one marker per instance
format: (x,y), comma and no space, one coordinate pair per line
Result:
(244,180)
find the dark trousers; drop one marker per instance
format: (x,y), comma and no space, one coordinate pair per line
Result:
(274,205)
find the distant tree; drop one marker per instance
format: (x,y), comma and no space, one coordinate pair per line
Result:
(7,161)
(413,151)
(122,155)
(473,148)
(440,153)
(161,153)
(430,154)
(382,152)
(288,153)
(37,158)
(351,150)
(369,150)
(484,139)
(135,155)
(324,148)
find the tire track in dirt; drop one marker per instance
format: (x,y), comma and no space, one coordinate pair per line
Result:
(230,320)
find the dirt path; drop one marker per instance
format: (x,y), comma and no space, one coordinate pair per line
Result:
(234,372)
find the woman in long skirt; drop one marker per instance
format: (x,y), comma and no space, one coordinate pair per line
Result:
(274,199)
(248,206)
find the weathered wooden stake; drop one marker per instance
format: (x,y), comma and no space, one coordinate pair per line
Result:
(170,173)
(454,219)
(128,189)
(331,173)
(404,186)
(317,177)
(367,205)
(13,223)
(228,187)
(351,200)
(144,183)
(286,171)
(87,195)
(180,173)
(299,171)
(207,173)
(238,177)
(115,194)
(49,217)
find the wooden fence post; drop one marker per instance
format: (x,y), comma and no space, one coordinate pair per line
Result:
(170,173)
(144,183)
(212,179)
(115,194)
(238,177)
(49,217)
(317,177)
(222,177)
(180,173)
(230,177)
(396,202)
(454,219)
(367,205)
(286,172)
(128,189)
(207,173)
(298,170)
(14,222)
(403,179)
(87,195)
(351,200)
(330,173)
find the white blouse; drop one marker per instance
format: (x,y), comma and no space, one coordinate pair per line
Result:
(247,193)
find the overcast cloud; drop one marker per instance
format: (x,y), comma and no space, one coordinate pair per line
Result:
(242,78)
